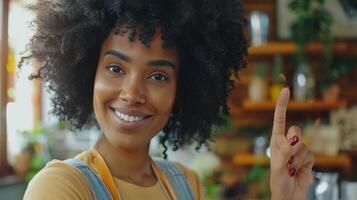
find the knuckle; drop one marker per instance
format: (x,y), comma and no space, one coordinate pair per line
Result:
(291,128)
(280,120)
(296,130)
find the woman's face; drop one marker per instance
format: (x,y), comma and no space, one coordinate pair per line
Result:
(134,89)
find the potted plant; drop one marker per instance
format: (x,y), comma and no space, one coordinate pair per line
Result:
(312,24)
(329,77)
(35,152)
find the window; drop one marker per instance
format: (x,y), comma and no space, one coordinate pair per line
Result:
(23,95)
(4,9)
(20,97)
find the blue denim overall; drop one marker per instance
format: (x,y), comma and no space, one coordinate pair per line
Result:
(173,173)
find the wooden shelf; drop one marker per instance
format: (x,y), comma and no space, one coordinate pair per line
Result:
(342,160)
(286,48)
(246,159)
(249,105)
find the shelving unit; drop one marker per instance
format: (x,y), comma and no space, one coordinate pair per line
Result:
(252,113)
(248,115)
(342,160)
(319,105)
(286,48)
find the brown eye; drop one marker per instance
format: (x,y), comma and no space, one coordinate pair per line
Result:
(158,77)
(115,69)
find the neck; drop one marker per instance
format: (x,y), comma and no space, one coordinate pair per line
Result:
(131,165)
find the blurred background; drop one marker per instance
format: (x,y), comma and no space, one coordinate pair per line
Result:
(309,45)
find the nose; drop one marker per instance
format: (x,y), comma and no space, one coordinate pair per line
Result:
(132,92)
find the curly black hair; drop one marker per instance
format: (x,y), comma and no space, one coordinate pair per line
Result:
(207,34)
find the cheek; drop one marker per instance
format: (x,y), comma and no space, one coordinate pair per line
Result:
(101,95)
(164,99)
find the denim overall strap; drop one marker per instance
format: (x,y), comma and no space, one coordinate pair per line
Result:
(100,191)
(177,179)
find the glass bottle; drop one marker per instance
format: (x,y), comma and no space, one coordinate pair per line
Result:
(303,83)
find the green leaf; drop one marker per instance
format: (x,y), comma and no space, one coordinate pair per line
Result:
(37,162)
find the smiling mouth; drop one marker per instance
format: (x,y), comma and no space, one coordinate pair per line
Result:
(130,118)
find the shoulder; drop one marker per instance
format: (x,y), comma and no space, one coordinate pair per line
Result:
(189,173)
(58,180)
(192,179)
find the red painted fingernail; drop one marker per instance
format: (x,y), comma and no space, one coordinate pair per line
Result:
(291,160)
(292,171)
(294,140)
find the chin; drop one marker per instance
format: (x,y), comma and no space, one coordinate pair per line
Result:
(126,142)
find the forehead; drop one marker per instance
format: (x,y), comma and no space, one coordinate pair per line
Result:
(136,49)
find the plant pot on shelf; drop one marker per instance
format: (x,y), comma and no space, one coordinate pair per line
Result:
(22,163)
(331,93)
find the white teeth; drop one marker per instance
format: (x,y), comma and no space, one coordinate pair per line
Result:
(128,118)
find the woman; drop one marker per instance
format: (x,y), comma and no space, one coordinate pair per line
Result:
(136,67)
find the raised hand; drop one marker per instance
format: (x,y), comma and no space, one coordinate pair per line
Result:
(291,162)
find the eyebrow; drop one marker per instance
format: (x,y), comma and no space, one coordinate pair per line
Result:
(159,63)
(118,55)
(153,63)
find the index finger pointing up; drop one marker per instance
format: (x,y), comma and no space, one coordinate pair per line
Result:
(280,113)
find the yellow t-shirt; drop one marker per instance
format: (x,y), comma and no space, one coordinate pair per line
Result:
(61,181)
(132,191)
